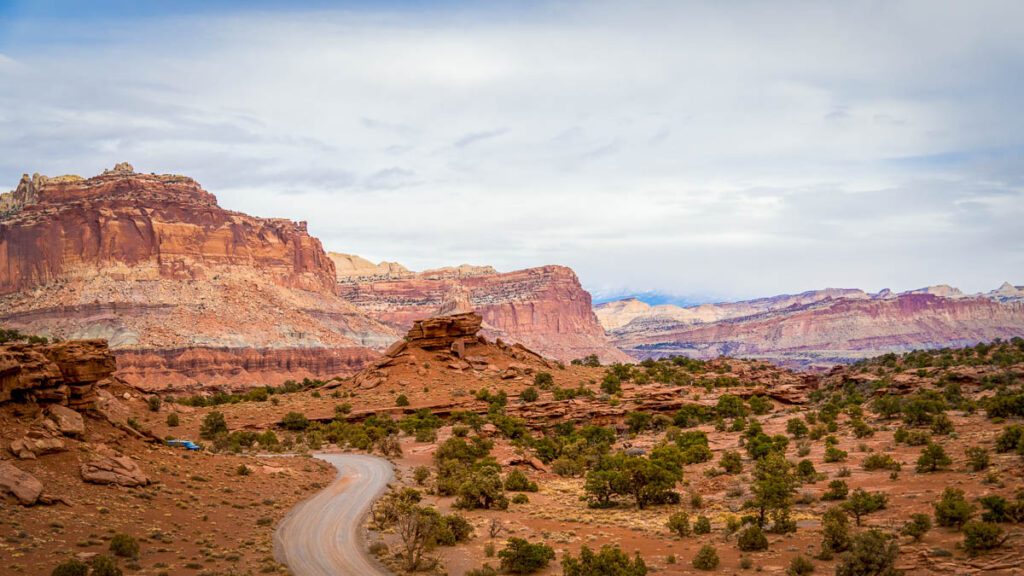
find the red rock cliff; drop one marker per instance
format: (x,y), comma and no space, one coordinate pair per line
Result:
(161,226)
(544,308)
(186,293)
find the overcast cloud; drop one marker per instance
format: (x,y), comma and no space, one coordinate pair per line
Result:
(712,150)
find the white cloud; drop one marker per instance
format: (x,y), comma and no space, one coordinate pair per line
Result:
(727,149)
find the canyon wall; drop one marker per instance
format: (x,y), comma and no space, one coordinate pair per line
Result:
(161,227)
(151,263)
(545,309)
(819,332)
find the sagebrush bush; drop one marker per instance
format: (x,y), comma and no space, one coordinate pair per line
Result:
(124,545)
(706,558)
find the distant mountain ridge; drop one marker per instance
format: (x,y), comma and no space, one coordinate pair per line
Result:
(817,328)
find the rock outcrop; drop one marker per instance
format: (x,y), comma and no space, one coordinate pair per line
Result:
(546,308)
(25,487)
(443,331)
(152,264)
(819,332)
(119,470)
(35,444)
(187,369)
(64,374)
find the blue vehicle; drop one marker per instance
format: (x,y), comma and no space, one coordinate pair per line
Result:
(186,443)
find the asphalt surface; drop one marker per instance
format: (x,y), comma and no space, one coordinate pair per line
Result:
(322,536)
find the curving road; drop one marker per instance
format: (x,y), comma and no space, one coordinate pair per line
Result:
(322,535)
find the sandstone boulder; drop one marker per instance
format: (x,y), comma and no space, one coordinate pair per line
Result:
(442,331)
(396,348)
(119,470)
(24,486)
(36,443)
(69,422)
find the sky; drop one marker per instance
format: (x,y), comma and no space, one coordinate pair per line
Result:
(688,151)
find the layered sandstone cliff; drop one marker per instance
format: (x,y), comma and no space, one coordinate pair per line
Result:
(822,332)
(546,308)
(150,227)
(152,264)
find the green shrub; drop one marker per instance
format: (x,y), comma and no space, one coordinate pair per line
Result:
(871,553)
(154,402)
(942,425)
(516,481)
(706,558)
(172,419)
(213,424)
(521,557)
(833,454)
(104,566)
(731,462)
(880,461)
(520,498)
(933,457)
(981,536)
(611,384)
(1012,438)
(702,525)
(529,394)
(862,503)
(543,380)
(952,509)
(835,530)
(71,568)
(420,474)
(800,566)
(917,527)
(679,523)
(402,400)
(977,458)
(124,545)
(837,490)
(295,421)
(610,561)
(752,539)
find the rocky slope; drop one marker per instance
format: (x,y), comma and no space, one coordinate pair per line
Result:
(155,266)
(544,308)
(817,329)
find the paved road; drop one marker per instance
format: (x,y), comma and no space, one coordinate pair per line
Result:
(322,536)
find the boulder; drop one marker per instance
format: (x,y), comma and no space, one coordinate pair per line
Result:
(119,470)
(36,443)
(69,422)
(24,486)
(442,331)
(396,348)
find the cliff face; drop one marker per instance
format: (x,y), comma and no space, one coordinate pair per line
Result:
(163,227)
(546,308)
(152,263)
(823,332)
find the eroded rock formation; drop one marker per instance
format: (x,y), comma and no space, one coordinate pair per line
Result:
(64,373)
(544,308)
